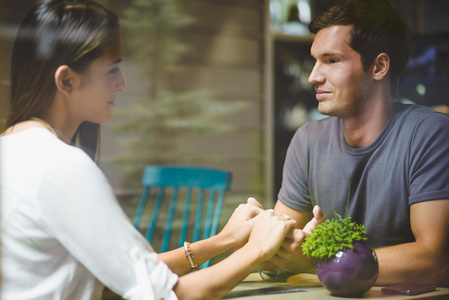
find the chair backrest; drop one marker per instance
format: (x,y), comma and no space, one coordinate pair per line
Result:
(198,188)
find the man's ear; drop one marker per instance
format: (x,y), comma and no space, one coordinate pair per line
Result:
(64,79)
(381,66)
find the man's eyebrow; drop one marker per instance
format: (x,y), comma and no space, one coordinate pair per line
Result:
(328,54)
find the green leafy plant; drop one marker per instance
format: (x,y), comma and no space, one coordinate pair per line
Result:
(334,235)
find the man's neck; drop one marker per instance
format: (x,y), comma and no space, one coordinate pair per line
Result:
(363,129)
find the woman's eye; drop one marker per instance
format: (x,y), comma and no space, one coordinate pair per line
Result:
(114,71)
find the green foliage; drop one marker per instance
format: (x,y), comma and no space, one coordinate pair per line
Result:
(332,236)
(151,30)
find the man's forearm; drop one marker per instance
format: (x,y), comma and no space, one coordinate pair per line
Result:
(411,262)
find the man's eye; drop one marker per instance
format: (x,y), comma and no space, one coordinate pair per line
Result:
(332,61)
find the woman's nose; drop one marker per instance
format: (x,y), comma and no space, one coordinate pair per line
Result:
(120,84)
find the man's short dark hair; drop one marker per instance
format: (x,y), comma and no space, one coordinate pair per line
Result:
(377,28)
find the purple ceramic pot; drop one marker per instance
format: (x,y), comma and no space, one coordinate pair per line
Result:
(351,272)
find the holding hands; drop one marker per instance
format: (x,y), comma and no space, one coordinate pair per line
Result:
(269,232)
(275,236)
(289,257)
(250,223)
(258,236)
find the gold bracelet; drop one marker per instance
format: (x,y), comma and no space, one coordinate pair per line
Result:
(191,257)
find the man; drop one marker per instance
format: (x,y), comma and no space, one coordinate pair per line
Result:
(395,156)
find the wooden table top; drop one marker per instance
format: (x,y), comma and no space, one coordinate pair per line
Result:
(308,287)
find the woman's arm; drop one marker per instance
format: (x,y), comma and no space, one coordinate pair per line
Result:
(234,235)
(214,282)
(203,250)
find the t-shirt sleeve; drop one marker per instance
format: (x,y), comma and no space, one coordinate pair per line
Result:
(80,210)
(429,160)
(294,191)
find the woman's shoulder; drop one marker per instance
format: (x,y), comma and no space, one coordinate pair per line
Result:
(66,164)
(62,154)
(39,146)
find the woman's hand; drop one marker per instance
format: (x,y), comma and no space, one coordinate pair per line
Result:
(269,232)
(289,257)
(239,225)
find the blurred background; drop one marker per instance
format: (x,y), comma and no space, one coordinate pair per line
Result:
(223,83)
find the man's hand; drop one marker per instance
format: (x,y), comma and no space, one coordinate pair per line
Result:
(318,218)
(289,257)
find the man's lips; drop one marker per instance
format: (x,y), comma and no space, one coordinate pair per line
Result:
(321,94)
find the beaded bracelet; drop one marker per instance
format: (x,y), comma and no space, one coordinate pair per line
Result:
(191,257)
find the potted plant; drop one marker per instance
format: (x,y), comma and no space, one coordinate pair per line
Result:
(346,266)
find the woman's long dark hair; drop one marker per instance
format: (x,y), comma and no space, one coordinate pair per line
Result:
(56,33)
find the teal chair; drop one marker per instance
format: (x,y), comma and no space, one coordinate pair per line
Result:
(186,188)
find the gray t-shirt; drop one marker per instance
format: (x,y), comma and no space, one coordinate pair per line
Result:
(406,164)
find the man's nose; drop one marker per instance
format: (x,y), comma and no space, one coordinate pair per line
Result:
(316,74)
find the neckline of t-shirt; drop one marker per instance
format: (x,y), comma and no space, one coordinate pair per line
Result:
(374,145)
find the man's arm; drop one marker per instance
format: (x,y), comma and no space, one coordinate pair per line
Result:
(300,217)
(426,259)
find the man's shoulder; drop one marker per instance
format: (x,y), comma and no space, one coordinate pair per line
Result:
(317,133)
(421,118)
(420,112)
(318,128)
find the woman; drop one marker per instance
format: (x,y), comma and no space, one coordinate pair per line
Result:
(62,228)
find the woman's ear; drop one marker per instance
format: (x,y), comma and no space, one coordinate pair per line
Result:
(381,66)
(64,79)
